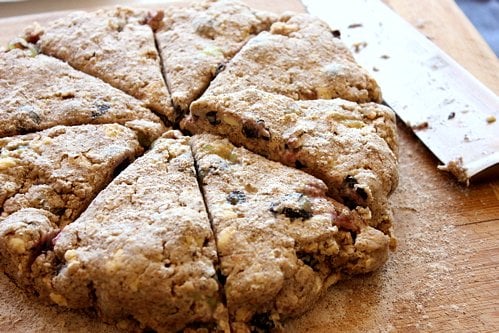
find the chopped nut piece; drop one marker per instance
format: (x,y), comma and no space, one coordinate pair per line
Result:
(18,245)
(58,299)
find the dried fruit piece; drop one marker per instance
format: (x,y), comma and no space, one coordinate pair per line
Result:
(294,206)
(235,197)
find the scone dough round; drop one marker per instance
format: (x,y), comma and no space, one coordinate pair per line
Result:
(276,187)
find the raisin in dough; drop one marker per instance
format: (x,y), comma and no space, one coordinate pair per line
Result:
(301,59)
(39,92)
(116,45)
(46,180)
(281,241)
(351,147)
(144,248)
(198,40)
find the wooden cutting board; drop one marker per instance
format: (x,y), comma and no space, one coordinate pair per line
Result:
(445,273)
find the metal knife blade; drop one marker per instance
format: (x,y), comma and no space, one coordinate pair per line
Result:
(450,111)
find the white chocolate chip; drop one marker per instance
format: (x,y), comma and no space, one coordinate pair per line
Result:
(7,162)
(18,245)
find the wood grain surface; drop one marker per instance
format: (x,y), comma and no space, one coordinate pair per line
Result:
(444,274)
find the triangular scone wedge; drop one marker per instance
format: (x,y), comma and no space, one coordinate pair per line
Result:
(46,180)
(39,92)
(116,45)
(144,250)
(281,241)
(351,147)
(299,58)
(62,168)
(195,42)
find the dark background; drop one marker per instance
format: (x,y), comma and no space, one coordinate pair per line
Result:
(484,14)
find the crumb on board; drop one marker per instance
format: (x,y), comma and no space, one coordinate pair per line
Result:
(490,119)
(419,126)
(375,69)
(355,25)
(336,33)
(359,46)
(466,138)
(385,56)
(456,167)
(451,115)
